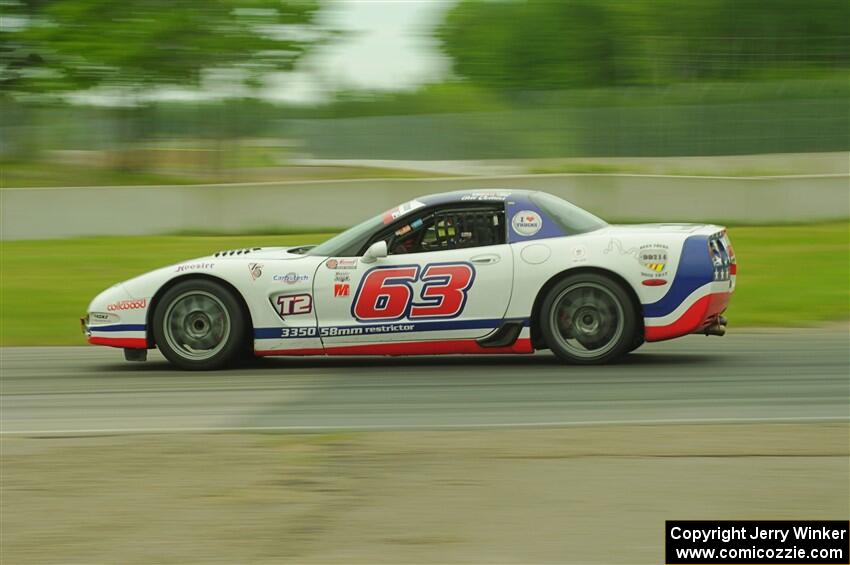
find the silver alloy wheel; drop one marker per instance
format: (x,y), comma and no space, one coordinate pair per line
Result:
(587,319)
(196,325)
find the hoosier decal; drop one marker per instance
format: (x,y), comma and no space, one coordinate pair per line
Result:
(194,267)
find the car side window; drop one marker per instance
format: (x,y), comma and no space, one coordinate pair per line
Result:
(447,228)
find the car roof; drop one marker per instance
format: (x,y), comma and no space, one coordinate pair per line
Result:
(479,195)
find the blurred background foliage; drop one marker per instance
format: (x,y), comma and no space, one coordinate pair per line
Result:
(73,45)
(544,45)
(84,86)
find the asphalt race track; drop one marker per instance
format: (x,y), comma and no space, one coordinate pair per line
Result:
(768,376)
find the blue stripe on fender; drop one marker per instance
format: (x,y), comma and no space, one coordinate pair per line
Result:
(275,333)
(118,328)
(695,270)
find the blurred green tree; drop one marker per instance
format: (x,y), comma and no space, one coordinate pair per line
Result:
(539,44)
(545,44)
(132,46)
(126,50)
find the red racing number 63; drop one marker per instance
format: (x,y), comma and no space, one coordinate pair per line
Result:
(386,293)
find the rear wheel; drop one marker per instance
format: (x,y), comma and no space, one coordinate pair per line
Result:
(199,325)
(588,319)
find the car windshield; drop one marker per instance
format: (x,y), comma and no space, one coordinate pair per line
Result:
(349,242)
(572,219)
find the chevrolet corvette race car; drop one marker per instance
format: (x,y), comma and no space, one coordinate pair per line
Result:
(463,272)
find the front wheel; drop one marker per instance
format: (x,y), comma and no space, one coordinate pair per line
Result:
(588,319)
(198,325)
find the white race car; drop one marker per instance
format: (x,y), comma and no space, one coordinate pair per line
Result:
(463,272)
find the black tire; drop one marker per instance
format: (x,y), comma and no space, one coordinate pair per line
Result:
(588,319)
(199,325)
(638,341)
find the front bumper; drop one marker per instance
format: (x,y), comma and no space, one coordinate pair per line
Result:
(125,336)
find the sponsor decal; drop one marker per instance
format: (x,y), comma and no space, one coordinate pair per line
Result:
(291,278)
(343,263)
(342,277)
(526,223)
(256,270)
(492,196)
(134,304)
(653,258)
(579,254)
(386,293)
(342,289)
(102,318)
(391,215)
(194,267)
(293,304)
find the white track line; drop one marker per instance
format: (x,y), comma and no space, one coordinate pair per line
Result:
(426,427)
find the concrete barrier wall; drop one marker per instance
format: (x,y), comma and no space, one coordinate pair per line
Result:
(48,213)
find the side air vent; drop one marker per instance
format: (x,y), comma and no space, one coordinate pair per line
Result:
(232,252)
(505,336)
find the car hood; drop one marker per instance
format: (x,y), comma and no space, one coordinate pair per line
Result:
(295,252)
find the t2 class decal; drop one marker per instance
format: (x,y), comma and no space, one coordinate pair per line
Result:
(293,304)
(386,293)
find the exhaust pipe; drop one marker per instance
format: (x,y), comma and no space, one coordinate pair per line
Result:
(716,329)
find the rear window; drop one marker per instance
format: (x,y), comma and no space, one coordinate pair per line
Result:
(570,218)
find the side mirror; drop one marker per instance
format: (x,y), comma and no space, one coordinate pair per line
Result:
(377,250)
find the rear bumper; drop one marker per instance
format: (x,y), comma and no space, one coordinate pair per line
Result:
(700,315)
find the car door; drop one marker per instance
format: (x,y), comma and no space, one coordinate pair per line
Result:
(448,275)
